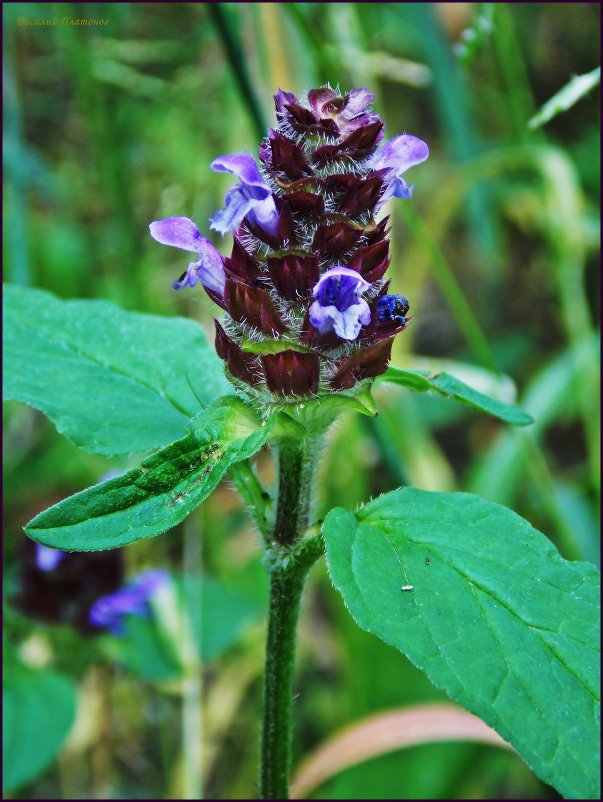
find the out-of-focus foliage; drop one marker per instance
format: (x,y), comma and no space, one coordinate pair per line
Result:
(108,127)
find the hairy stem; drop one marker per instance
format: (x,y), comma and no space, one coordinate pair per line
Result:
(285,594)
(296,465)
(289,560)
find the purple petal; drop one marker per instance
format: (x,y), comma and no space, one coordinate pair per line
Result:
(208,271)
(358,101)
(246,170)
(338,306)
(238,206)
(231,216)
(265,215)
(398,188)
(341,286)
(401,153)
(149,582)
(282,98)
(189,278)
(112,474)
(109,610)
(321,317)
(47,559)
(179,232)
(346,324)
(210,267)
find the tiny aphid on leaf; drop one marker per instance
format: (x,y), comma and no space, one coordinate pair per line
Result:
(177,499)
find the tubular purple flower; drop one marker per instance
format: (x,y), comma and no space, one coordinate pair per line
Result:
(180,232)
(47,559)
(397,156)
(338,306)
(251,198)
(109,611)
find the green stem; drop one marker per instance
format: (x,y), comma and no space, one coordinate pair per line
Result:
(285,594)
(295,464)
(289,559)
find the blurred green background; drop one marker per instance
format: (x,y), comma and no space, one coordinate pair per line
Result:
(110,126)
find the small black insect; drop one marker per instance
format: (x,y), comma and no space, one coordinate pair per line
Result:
(427,560)
(392,307)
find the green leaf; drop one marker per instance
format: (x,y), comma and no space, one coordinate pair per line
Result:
(447,385)
(144,651)
(221,615)
(564,99)
(159,494)
(485,605)
(114,382)
(417,380)
(38,712)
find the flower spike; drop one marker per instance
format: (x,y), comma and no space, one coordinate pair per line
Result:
(305,290)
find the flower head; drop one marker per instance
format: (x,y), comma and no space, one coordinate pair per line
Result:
(309,258)
(133,599)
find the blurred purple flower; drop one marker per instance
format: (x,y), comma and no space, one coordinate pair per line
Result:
(180,232)
(397,156)
(47,559)
(250,198)
(338,306)
(109,611)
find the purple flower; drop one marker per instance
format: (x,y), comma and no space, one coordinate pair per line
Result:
(397,156)
(47,559)
(338,306)
(251,197)
(109,611)
(180,232)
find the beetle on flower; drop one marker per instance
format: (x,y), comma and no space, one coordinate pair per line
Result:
(304,291)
